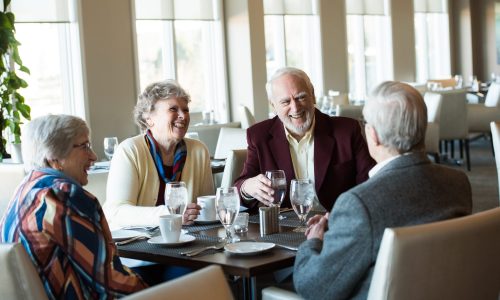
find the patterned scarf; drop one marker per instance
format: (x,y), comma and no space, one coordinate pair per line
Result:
(179,158)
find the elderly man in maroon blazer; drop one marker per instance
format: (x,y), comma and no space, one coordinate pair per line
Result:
(303,142)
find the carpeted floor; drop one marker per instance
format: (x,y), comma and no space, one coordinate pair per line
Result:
(483,175)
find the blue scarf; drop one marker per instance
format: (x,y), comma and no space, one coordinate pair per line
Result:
(179,158)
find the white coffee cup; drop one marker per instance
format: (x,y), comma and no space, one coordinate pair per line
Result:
(170,227)
(207,212)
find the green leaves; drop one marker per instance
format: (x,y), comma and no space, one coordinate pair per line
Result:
(12,107)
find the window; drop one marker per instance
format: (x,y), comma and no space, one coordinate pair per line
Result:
(175,41)
(369,46)
(293,38)
(48,33)
(432,40)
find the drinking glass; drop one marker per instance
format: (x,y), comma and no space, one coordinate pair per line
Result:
(278,184)
(302,196)
(176,197)
(228,206)
(110,144)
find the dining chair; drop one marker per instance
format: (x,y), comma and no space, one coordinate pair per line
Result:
(480,115)
(349,111)
(208,283)
(247,117)
(97,185)
(234,166)
(19,278)
(433,103)
(11,175)
(209,134)
(230,139)
(453,122)
(495,137)
(453,259)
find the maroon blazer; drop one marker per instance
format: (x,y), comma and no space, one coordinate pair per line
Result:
(341,157)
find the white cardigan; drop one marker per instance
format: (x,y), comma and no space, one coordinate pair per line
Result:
(133,182)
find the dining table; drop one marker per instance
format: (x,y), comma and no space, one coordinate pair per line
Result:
(248,266)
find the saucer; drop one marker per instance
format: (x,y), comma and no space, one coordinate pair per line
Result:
(123,234)
(184,238)
(248,248)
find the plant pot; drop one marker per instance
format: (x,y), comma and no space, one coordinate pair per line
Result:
(16,153)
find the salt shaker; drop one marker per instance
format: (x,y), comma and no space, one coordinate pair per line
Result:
(268,218)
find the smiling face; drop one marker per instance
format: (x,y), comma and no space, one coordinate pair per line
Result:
(79,160)
(293,102)
(169,120)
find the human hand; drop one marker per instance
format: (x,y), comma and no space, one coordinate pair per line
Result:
(191,213)
(317,226)
(259,187)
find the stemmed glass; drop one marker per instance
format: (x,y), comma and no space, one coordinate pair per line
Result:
(176,197)
(228,207)
(278,184)
(110,144)
(302,196)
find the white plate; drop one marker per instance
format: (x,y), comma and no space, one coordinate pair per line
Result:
(248,248)
(184,238)
(206,222)
(123,234)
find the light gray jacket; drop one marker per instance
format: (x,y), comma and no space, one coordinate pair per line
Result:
(409,190)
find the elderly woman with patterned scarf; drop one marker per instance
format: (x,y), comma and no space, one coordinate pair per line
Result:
(59,223)
(142,165)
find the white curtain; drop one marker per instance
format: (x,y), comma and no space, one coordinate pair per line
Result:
(177,9)
(290,7)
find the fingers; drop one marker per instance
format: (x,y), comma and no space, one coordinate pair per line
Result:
(191,213)
(315,219)
(259,187)
(317,227)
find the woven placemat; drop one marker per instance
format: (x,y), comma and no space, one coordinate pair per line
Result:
(201,227)
(289,239)
(200,242)
(291,219)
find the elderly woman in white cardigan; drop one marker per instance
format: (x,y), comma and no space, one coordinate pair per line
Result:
(142,165)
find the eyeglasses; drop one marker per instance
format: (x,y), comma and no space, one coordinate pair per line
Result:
(85,146)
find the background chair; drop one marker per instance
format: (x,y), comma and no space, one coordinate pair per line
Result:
(349,111)
(11,176)
(480,115)
(209,134)
(247,118)
(495,136)
(453,122)
(453,259)
(19,278)
(234,165)
(274,293)
(208,283)
(433,103)
(97,184)
(230,139)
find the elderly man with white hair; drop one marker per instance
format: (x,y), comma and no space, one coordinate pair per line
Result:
(404,188)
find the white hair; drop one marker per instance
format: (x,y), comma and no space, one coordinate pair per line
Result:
(288,71)
(398,113)
(49,138)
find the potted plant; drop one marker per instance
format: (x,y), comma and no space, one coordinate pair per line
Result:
(12,106)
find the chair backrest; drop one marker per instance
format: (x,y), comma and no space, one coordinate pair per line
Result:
(349,111)
(209,134)
(493,96)
(234,165)
(247,118)
(208,283)
(11,176)
(433,102)
(97,185)
(452,259)
(453,117)
(19,278)
(230,139)
(340,99)
(495,136)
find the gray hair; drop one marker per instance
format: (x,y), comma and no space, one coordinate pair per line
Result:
(49,138)
(288,71)
(398,113)
(153,93)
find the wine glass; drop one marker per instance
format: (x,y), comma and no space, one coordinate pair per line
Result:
(302,196)
(110,144)
(176,197)
(278,184)
(228,206)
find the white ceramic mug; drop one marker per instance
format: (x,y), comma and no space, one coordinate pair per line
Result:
(170,227)
(207,212)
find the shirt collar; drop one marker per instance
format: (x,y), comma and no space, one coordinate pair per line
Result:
(380,165)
